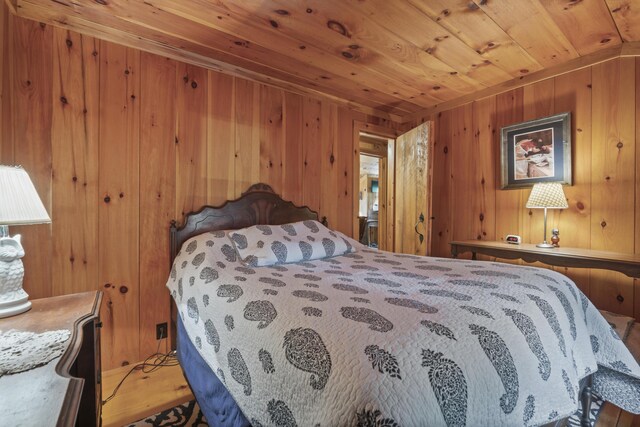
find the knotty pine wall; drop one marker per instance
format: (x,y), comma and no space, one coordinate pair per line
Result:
(604,201)
(119,142)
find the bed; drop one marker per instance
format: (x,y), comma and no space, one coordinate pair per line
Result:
(365,337)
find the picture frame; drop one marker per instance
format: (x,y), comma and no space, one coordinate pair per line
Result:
(536,151)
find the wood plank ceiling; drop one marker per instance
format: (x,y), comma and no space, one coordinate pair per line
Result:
(398,57)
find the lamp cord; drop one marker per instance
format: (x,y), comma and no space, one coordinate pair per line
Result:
(150,364)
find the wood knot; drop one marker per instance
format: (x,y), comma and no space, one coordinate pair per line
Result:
(121,195)
(603,224)
(524,71)
(580,206)
(302,47)
(309,10)
(332,159)
(446,12)
(124,289)
(605,41)
(481,217)
(620,298)
(133,97)
(354,46)
(107,199)
(74,179)
(337,27)
(127,72)
(282,12)
(102,2)
(63,100)
(445,150)
(453,73)
(619,144)
(607,178)
(478,237)
(436,88)
(194,84)
(482,181)
(72,259)
(124,362)
(472,6)
(273,23)
(347,55)
(107,285)
(185,78)
(68,42)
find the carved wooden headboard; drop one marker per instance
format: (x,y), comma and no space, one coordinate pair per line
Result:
(258,205)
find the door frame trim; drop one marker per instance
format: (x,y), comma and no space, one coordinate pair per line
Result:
(360,126)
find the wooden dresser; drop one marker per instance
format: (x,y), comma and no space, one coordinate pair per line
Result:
(67,390)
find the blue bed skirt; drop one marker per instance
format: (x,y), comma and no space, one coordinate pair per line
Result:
(216,403)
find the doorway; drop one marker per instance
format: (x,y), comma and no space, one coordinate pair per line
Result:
(404,164)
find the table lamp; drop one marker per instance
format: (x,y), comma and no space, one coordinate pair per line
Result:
(547,195)
(19,205)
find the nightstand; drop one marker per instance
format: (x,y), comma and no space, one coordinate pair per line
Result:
(67,390)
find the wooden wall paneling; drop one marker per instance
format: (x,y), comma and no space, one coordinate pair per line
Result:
(272,136)
(509,203)
(625,14)
(6,87)
(442,195)
(312,153)
(485,134)
(538,103)
(221,141)
(157,191)
(31,122)
(328,164)
(247,149)
(191,136)
(74,154)
(119,208)
(292,151)
(465,164)
(573,94)
(345,174)
(636,282)
(389,201)
(612,177)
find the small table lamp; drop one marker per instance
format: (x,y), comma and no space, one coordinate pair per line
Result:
(547,195)
(19,205)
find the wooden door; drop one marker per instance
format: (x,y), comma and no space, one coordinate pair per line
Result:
(413,191)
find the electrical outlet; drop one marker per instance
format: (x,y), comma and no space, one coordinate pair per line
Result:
(161,331)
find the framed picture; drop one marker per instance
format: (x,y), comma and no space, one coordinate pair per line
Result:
(536,151)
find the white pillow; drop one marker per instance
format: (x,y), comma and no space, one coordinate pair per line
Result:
(262,245)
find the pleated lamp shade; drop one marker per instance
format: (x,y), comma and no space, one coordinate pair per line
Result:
(547,195)
(19,200)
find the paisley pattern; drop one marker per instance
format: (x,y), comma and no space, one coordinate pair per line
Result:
(211,333)
(528,329)
(383,361)
(267,362)
(359,322)
(551,317)
(280,414)
(449,385)
(365,315)
(306,351)
(368,418)
(260,311)
(500,356)
(567,308)
(409,303)
(239,370)
(438,329)
(232,292)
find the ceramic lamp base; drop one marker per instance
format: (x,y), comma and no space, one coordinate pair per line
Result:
(11,308)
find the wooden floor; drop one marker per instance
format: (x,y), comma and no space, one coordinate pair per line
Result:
(142,394)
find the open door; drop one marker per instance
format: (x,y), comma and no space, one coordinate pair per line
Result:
(413,191)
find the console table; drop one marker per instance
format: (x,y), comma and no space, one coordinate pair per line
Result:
(628,264)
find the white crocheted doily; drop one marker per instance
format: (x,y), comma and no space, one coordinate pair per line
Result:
(22,351)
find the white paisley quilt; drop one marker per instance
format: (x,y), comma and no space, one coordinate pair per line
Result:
(372,338)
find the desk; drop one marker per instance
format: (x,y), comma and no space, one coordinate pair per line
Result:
(628,264)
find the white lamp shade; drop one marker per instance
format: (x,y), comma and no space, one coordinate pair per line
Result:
(19,201)
(547,195)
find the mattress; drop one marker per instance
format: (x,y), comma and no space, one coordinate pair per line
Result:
(375,338)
